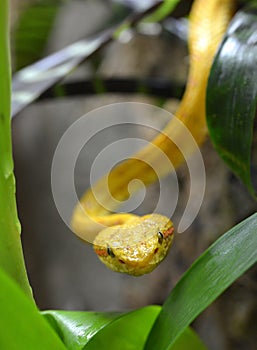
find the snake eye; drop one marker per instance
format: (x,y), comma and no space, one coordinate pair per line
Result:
(160,237)
(110,252)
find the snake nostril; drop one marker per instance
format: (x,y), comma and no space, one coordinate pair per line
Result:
(156,250)
(121,261)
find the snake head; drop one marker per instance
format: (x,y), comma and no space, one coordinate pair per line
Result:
(136,247)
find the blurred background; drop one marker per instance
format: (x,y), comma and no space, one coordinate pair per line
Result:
(64,272)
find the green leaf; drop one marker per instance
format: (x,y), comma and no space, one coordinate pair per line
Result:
(32,31)
(126,332)
(232,95)
(123,331)
(21,325)
(188,340)
(216,269)
(130,331)
(11,257)
(76,328)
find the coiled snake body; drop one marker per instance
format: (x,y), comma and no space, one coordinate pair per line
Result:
(132,244)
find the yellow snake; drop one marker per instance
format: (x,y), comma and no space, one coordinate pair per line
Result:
(125,242)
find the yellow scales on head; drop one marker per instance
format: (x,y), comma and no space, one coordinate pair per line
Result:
(136,247)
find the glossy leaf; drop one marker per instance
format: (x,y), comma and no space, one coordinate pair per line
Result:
(76,328)
(216,269)
(21,325)
(130,331)
(126,332)
(232,94)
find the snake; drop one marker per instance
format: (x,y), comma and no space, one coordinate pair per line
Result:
(125,242)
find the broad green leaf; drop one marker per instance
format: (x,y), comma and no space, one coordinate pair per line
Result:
(214,271)
(21,325)
(130,331)
(11,257)
(232,94)
(32,31)
(76,328)
(126,332)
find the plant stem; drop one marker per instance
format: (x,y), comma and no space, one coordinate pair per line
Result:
(11,255)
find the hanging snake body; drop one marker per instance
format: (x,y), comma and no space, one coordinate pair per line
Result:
(125,242)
